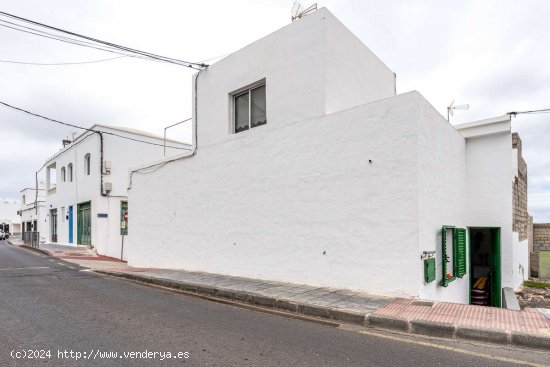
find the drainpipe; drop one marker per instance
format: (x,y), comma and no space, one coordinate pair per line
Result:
(101,164)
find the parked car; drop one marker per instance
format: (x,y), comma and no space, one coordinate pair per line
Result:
(2,235)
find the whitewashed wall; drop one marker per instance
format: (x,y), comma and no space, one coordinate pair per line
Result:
(489,171)
(268,202)
(442,187)
(302,67)
(123,154)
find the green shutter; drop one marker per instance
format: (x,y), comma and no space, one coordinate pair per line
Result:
(123,221)
(444,251)
(459,252)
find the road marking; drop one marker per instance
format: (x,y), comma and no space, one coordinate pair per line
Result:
(85,270)
(29,268)
(58,263)
(451,349)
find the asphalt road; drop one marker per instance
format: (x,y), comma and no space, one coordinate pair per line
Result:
(49,305)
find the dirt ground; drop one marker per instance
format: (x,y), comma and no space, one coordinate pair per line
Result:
(534,297)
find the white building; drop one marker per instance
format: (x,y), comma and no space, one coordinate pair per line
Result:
(86,183)
(9,218)
(33,210)
(311,170)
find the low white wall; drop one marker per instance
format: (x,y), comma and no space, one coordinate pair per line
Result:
(298,202)
(521,261)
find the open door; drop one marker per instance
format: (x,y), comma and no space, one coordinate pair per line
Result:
(485,273)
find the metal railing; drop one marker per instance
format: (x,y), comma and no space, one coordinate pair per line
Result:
(31,239)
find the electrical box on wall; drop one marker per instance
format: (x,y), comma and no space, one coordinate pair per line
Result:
(108,186)
(107,167)
(429,270)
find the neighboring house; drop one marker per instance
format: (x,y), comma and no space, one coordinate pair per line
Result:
(86,185)
(9,218)
(33,210)
(311,170)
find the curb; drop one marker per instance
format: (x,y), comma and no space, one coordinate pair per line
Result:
(35,249)
(254,299)
(419,327)
(461,332)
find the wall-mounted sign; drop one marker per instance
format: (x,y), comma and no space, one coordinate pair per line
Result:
(102,215)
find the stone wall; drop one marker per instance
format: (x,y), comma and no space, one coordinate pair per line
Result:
(520,213)
(541,237)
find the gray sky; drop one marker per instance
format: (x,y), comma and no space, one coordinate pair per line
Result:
(493,55)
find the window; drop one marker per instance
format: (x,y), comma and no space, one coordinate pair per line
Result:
(87,164)
(249,109)
(453,250)
(63,174)
(23,199)
(70,169)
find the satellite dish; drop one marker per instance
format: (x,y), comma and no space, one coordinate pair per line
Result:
(298,10)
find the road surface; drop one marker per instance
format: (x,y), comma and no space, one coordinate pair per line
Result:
(67,316)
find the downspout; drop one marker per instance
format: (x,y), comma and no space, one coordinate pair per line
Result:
(195,139)
(101,164)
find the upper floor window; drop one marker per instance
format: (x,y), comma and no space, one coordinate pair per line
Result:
(249,108)
(23,199)
(87,164)
(63,174)
(70,169)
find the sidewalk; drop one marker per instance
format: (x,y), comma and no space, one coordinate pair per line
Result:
(64,251)
(526,328)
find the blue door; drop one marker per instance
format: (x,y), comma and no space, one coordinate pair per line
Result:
(71,224)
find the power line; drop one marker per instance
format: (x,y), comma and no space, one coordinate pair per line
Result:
(68,40)
(86,129)
(193,65)
(61,63)
(544,110)
(65,39)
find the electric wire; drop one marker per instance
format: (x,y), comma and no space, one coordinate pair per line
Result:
(193,65)
(87,129)
(73,42)
(544,110)
(61,63)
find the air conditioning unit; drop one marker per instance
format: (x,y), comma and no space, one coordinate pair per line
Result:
(107,167)
(108,186)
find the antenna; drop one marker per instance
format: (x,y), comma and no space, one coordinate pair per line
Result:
(299,12)
(451,108)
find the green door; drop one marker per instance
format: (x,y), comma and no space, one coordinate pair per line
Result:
(495,268)
(84,224)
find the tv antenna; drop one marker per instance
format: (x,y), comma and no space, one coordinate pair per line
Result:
(451,108)
(299,12)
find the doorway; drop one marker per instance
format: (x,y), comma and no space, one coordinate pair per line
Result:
(485,289)
(84,224)
(53,224)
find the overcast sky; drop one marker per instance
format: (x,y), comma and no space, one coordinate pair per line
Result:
(493,55)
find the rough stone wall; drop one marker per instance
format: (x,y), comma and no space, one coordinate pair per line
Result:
(541,237)
(520,214)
